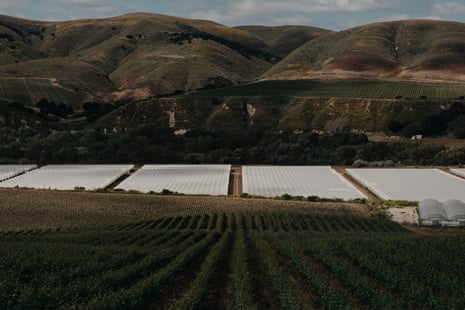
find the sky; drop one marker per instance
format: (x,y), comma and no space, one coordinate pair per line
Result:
(330,14)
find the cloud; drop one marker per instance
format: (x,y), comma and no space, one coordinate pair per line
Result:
(394,17)
(91,8)
(313,6)
(287,12)
(60,9)
(12,5)
(448,8)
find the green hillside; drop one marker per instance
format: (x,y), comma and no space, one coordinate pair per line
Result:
(285,39)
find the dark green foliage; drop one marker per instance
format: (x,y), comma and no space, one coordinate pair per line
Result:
(191,33)
(153,144)
(306,261)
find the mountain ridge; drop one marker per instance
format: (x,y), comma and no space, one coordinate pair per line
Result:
(142,55)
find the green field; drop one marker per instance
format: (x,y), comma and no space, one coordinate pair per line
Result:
(30,90)
(342,89)
(220,255)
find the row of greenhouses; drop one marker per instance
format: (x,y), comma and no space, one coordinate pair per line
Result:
(410,184)
(450,213)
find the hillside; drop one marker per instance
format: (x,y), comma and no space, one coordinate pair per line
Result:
(285,39)
(128,57)
(423,51)
(138,56)
(155,88)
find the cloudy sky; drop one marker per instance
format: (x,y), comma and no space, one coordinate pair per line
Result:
(332,14)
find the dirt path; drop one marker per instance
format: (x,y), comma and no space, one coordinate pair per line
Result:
(235,181)
(342,171)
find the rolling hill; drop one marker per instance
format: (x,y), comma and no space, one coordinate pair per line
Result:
(194,75)
(418,50)
(285,39)
(130,57)
(139,56)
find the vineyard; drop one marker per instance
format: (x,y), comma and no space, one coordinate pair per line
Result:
(239,260)
(343,89)
(29,91)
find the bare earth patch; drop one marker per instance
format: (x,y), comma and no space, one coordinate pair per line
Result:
(406,215)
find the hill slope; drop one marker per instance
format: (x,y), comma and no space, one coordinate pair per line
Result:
(402,50)
(130,57)
(285,39)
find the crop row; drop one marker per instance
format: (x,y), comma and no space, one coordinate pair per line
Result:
(343,89)
(235,260)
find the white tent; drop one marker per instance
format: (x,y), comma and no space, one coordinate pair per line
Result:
(431,212)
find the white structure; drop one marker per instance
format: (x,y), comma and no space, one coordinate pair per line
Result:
(69,177)
(455,211)
(410,184)
(431,212)
(9,171)
(449,213)
(185,179)
(459,172)
(320,181)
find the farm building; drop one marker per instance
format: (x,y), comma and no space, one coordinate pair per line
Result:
(449,213)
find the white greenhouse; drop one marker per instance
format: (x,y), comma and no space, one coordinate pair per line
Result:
(455,210)
(449,213)
(431,212)
(69,177)
(9,171)
(320,181)
(458,171)
(410,184)
(185,179)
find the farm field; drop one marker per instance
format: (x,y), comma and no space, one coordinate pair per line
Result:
(320,181)
(9,171)
(186,179)
(410,184)
(68,177)
(242,259)
(23,209)
(31,90)
(371,89)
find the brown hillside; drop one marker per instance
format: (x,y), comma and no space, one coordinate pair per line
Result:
(131,57)
(407,50)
